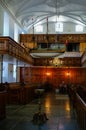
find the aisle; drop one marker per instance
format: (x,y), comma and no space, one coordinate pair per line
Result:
(57,108)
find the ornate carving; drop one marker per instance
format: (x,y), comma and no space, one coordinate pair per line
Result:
(41,38)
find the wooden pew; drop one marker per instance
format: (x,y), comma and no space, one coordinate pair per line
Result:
(17,94)
(2,105)
(77,98)
(81,112)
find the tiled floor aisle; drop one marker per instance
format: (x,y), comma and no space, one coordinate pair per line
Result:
(57,108)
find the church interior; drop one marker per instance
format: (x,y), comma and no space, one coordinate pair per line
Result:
(42,65)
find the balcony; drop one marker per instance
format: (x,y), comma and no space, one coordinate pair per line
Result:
(10,47)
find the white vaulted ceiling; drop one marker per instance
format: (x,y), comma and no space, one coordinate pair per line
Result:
(28,12)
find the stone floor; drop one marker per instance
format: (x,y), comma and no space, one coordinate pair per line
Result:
(58,109)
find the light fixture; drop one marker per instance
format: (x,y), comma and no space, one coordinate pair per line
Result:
(48,74)
(33,44)
(56,62)
(40,117)
(68,73)
(50,51)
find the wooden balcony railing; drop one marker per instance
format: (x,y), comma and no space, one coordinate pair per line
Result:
(10,47)
(53,38)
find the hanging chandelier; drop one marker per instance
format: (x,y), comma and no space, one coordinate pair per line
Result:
(33,43)
(51,50)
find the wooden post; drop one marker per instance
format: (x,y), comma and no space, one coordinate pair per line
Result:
(1,68)
(16,70)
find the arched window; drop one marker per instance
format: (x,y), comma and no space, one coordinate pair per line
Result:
(39,28)
(59,27)
(79,28)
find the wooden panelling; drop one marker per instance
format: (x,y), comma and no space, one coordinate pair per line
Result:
(82,47)
(42,38)
(55,76)
(68,61)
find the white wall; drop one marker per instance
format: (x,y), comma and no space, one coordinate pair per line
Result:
(6,24)
(1,21)
(5,72)
(9,26)
(9,73)
(68,28)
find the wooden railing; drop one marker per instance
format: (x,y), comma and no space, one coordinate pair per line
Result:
(10,47)
(81,112)
(18,93)
(79,106)
(72,38)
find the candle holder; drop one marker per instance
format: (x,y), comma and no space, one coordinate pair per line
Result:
(39,118)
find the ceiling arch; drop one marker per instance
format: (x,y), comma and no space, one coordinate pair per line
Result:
(28,11)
